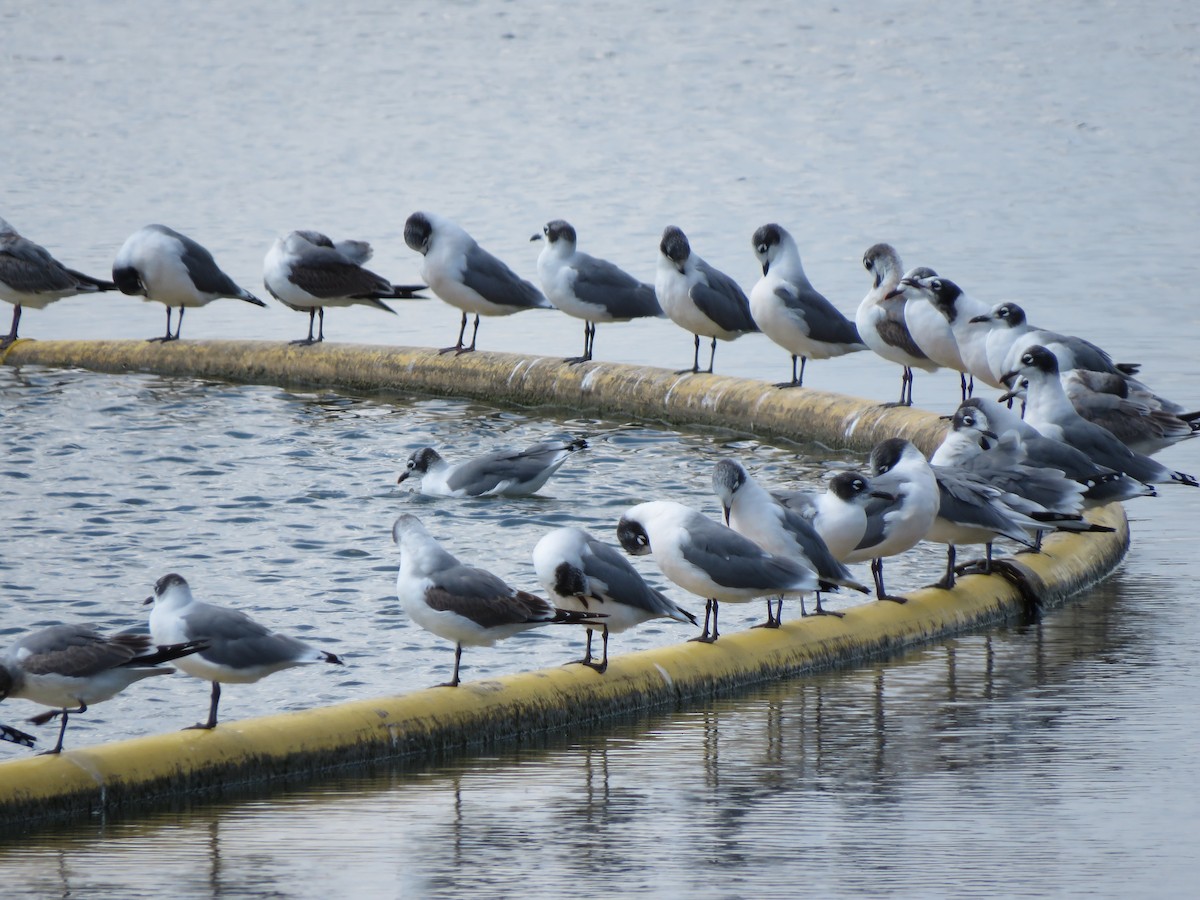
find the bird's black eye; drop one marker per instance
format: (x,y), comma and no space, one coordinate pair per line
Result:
(867,264)
(762,248)
(968,420)
(858,484)
(936,284)
(883,468)
(1027,359)
(546,231)
(412,463)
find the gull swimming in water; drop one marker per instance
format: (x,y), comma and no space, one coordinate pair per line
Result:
(504,473)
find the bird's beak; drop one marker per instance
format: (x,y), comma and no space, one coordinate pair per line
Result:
(726,511)
(894,292)
(535,237)
(148,600)
(907,283)
(990,434)
(883,495)
(403,475)
(1008,377)
(1008,395)
(979,319)
(946,418)
(766,267)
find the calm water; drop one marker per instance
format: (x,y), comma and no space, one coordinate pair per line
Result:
(1039,152)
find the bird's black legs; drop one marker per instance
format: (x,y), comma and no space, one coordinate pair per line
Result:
(877,574)
(601,666)
(453,682)
(312,314)
(474,334)
(695,357)
(712,355)
(773,617)
(46,717)
(212,711)
(178,324)
(947,581)
(462,330)
(8,339)
(796,381)
(168,336)
(710,611)
(589,342)
(821,611)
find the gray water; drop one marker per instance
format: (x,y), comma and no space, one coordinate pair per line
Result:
(1038,152)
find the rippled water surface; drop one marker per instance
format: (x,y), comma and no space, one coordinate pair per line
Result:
(1039,152)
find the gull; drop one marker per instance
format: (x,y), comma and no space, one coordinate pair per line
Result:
(588,288)
(698,297)
(1142,420)
(71,667)
(30,276)
(995,423)
(750,510)
(790,311)
(504,473)
(307,271)
(709,559)
(466,276)
(842,513)
(1010,334)
(162,265)
(1049,410)
(586,575)
(897,469)
(465,604)
(238,650)
(16,736)
(880,318)
(958,340)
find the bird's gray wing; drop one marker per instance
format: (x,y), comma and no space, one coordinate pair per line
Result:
(813,546)
(969,502)
(876,511)
(622,582)
(29,268)
(326,273)
(497,283)
(734,561)
(802,502)
(203,269)
(236,640)
(821,320)
(78,651)
(721,299)
(484,598)
(600,282)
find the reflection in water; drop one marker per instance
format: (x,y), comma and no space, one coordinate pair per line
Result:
(974,747)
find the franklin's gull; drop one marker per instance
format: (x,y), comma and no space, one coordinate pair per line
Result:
(306,271)
(880,318)
(750,510)
(466,276)
(504,473)
(238,650)
(464,604)
(588,288)
(709,559)
(586,575)
(164,266)
(30,276)
(698,297)
(71,667)
(790,311)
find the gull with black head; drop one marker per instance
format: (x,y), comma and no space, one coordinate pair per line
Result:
(503,473)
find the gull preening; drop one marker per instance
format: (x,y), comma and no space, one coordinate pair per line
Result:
(72,667)
(790,311)
(31,277)
(307,271)
(709,559)
(698,297)
(503,473)
(880,318)
(164,266)
(589,576)
(237,650)
(588,288)
(465,604)
(466,276)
